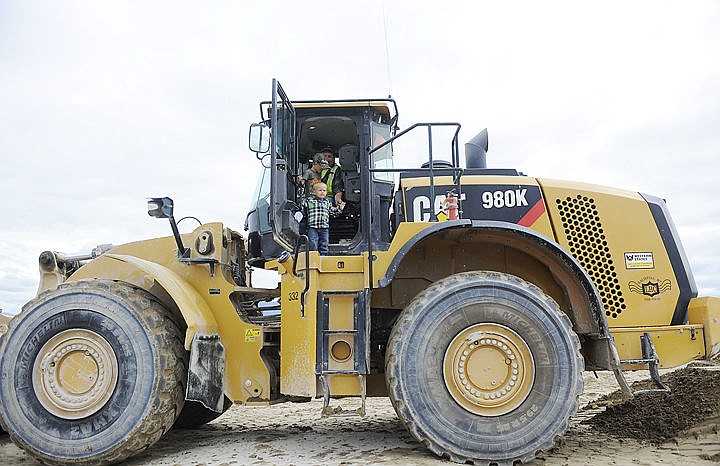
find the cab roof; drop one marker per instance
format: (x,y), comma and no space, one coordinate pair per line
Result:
(385,107)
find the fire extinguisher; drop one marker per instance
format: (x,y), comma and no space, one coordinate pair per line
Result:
(451,205)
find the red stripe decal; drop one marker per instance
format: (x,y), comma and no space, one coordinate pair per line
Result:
(533,214)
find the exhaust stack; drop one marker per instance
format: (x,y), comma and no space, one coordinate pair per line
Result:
(476,150)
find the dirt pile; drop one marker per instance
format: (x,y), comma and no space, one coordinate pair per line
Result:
(657,417)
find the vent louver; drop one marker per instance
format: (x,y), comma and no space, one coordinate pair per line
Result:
(588,244)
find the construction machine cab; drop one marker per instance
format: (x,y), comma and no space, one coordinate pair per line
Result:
(298,130)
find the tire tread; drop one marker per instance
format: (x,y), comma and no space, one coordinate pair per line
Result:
(392,368)
(165,330)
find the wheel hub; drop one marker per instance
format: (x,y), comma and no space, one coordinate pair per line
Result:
(488,369)
(75,373)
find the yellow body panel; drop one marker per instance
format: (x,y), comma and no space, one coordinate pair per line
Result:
(198,316)
(613,235)
(297,335)
(675,345)
(299,330)
(344,384)
(706,311)
(204,301)
(404,232)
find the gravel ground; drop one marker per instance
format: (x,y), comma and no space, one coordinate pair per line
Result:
(603,432)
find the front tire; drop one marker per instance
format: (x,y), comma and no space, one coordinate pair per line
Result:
(483,367)
(92,373)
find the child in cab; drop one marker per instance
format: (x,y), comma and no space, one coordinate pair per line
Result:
(319,210)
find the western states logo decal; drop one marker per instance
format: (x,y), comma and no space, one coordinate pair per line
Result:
(650,286)
(639,260)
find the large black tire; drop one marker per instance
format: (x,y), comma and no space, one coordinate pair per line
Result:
(452,373)
(195,414)
(91,373)
(2,431)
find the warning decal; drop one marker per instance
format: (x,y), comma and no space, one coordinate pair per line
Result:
(251,334)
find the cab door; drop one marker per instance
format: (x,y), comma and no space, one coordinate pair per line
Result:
(284,169)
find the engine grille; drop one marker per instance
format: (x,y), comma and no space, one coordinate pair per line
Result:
(588,244)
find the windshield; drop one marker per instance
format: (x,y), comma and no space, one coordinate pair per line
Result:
(262,189)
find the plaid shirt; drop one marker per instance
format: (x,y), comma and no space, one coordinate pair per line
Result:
(319,212)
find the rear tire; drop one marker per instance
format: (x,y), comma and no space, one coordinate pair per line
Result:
(483,367)
(92,372)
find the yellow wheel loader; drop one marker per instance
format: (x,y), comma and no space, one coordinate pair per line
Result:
(473,297)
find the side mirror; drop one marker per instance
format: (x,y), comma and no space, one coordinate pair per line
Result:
(160,207)
(259,138)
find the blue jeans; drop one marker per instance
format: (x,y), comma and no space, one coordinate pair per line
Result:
(319,239)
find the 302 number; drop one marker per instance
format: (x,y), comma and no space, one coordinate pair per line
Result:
(293,296)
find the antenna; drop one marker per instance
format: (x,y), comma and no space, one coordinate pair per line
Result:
(387,50)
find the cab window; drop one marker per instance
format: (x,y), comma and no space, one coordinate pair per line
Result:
(382,158)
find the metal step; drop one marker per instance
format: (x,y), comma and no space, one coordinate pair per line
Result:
(352,329)
(339,411)
(355,330)
(649,357)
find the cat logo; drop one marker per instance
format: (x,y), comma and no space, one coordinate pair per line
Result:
(652,287)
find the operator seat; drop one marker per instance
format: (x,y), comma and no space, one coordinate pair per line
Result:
(350,168)
(343,228)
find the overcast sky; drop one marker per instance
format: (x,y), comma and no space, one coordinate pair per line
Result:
(102,106)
